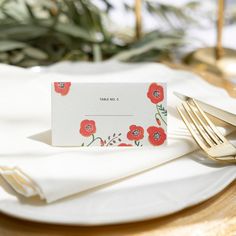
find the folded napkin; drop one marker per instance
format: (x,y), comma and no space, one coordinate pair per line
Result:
(32,166)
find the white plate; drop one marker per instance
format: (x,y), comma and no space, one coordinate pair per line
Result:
(158,192)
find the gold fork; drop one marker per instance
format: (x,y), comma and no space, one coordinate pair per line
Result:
(205,133)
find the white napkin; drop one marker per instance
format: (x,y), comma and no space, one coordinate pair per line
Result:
(33,167)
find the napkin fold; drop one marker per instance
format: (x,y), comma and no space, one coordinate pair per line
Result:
(33,167)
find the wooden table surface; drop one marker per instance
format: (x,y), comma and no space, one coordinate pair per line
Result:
(214,217)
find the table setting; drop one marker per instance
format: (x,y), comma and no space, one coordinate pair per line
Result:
(117,129)
(95,184)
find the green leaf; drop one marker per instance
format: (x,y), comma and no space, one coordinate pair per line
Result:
(74,31)
(30,11)
(73,12)
(162,109)
(16,57)
(161,44)
(35,53)
(22,32)
(8,45)
(81,30)
(88,15)
(3,57)
(29,63)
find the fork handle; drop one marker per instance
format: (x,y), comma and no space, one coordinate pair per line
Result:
(227,158)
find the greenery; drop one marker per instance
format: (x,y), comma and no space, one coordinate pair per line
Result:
(46,31)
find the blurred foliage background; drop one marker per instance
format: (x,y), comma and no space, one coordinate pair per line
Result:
(41,32)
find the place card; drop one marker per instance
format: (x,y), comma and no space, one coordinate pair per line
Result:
(109,114)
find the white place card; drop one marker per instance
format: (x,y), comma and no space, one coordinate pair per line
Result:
(109,114)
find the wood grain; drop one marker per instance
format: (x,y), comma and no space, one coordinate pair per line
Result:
(215,217)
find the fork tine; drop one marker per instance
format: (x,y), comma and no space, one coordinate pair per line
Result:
(195,136)
(197,126)
(212,126)
(205,127)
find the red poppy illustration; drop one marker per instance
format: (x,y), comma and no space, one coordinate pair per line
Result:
(157,135)
(87,127)
(155,93)
(136,133)
(62,87)
(125,145)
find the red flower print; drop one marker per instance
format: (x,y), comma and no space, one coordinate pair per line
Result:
(155,93)
(135,133)
(87,127)
(62,87)
(158,121)
(102,143)
(157,136)
(125,145)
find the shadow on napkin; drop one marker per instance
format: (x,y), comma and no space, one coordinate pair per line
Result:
(44,137)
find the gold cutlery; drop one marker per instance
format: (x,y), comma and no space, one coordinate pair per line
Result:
(205,133)
(225,116)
